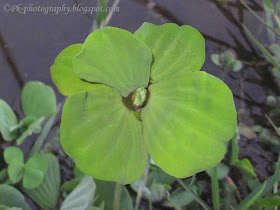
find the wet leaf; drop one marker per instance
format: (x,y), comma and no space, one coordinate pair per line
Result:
(38,100)
(114,146)
(188,114)
(268,202)
(174,48)
(114,57)
(8,119)
(63,75)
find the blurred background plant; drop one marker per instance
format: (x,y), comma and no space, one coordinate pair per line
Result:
(39,175)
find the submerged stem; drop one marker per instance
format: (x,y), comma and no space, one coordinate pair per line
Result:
(117,196)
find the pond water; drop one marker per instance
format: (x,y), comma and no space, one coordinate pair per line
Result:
(30,42)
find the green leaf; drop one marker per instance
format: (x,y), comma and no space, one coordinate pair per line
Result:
(70,185)
(13,153)
(7,120)
(11,197)
(105,193)
(31,129)
(81,197)
(251,198)
(159,176)
(222,171)
(114,57)
(236,66)
(246,167)
(15,170)
(47,193)
(180,197)
(216,59)
(62,72)
(38,100)
(34,171)
(174,48)
(187,121)
(158,192)
(103,136)
(268,202)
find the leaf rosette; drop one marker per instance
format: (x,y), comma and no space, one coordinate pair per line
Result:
(134,94)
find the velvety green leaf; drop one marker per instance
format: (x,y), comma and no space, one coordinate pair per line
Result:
(236,66)
(103,136)
(34,171)
(268,201)
(174,48)
(30,129)
(114,57)
(11,197)
(38,100)
(105,193)
(15,170)
(246,167)
(81,197)
(47,193)
(13,153)
(62,72)
(7,120)
(187,121)
(251,198)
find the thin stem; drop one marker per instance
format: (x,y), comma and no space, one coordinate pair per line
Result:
(41,138)
(215,189)
(110,14)
(117,196)
(144,181)
(176,207)
(196,197)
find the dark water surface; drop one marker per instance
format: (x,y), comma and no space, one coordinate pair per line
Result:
(29,43)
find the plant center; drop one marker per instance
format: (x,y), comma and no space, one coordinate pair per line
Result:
(139,97)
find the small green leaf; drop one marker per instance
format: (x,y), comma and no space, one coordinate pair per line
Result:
(107,141)
(47,193)
(236,66)
(8,119)
(216,59)
(11,197)
(251,198)
(81,197)
(15,170)
(222,171)
(246,167)
(158,192)
(187,121)
(70,185)
(38,100)
(116,58)
(62,72)
(34,171)
(174,48)
(13,153)
(268,202)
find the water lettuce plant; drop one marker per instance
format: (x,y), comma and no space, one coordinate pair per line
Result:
(134,94)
